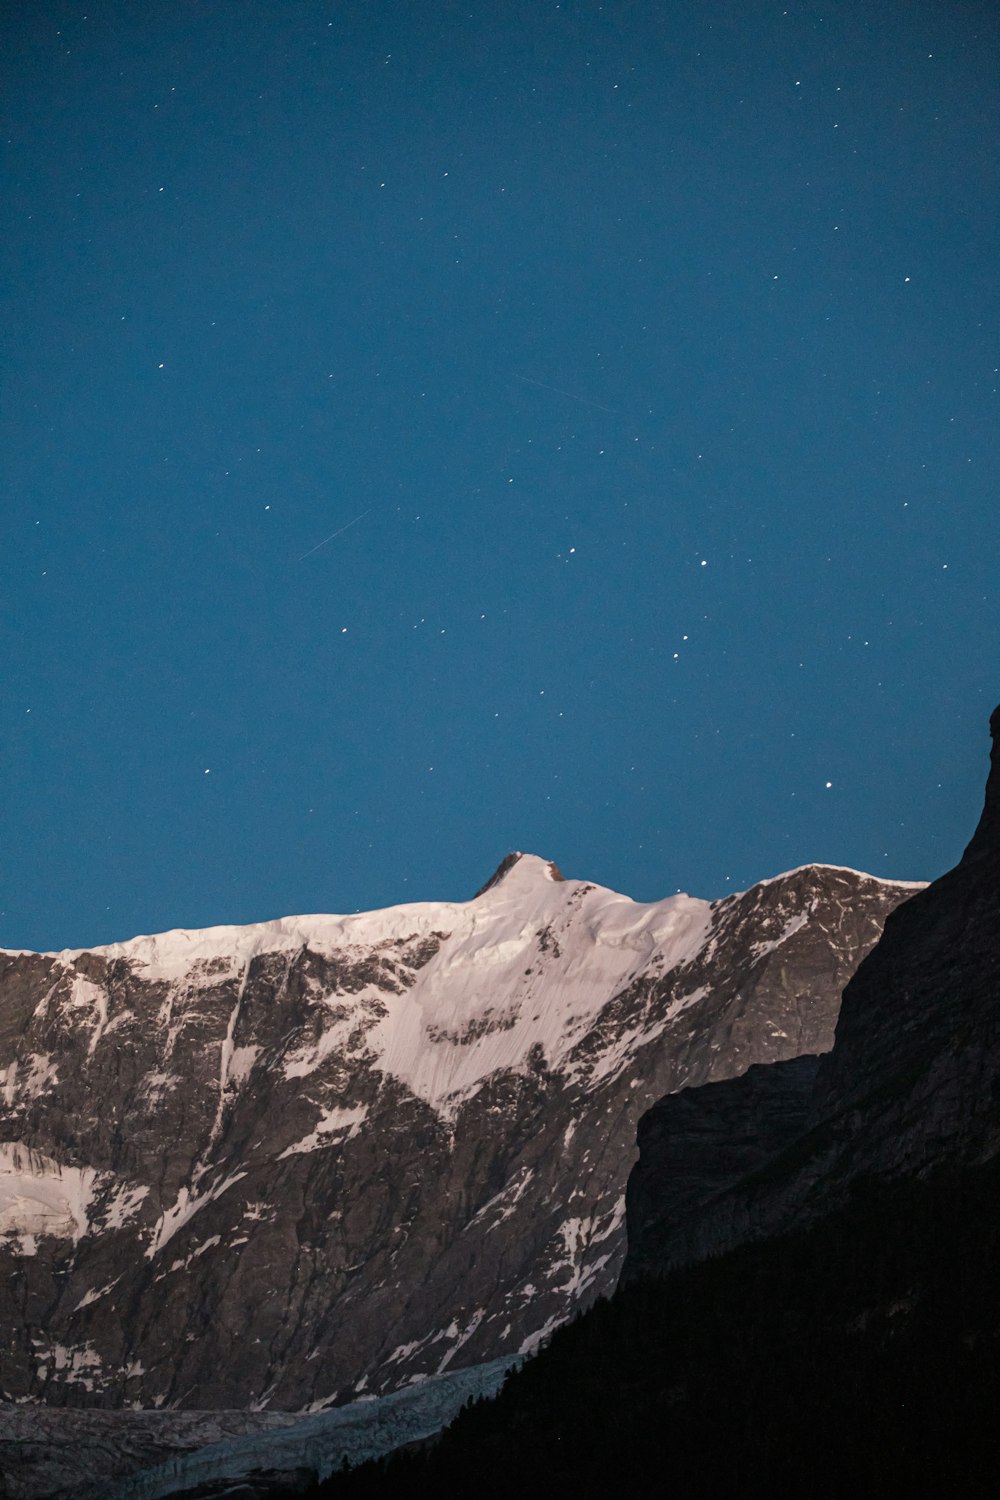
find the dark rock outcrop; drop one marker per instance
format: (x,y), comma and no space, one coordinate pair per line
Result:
(696,1144)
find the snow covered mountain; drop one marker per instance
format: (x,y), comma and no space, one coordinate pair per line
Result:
(285,1164)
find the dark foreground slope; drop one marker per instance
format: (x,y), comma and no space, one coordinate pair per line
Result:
(849,1340)
(858,1357)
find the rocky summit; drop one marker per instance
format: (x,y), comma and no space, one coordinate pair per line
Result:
(286,1164)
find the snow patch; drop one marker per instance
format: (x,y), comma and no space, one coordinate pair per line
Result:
(531,1344)
(227,1073)
(504,1203)
(95,1295)
(36,1073)
(580,1237)
(335,1038)
(460,1338)
(40,1196)
(792,926)
(621,1050)
(322,1404)
(403,1351)
(187,1205)
(155,1085)
(241,1061)
(124,1205)
(84,994)
(330,1130)
(75,1364)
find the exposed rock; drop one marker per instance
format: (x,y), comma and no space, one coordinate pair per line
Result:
(696,1144)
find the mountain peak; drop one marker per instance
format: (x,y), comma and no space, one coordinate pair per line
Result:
(531,865)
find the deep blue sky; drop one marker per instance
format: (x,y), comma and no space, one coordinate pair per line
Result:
(655,345)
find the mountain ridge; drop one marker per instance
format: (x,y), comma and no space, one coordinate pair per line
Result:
(290,923)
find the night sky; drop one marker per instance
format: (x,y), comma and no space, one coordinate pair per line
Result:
(431,430)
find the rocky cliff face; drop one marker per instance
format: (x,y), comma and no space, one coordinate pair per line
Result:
(284,1164)
(912,1083)
(695,1145)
